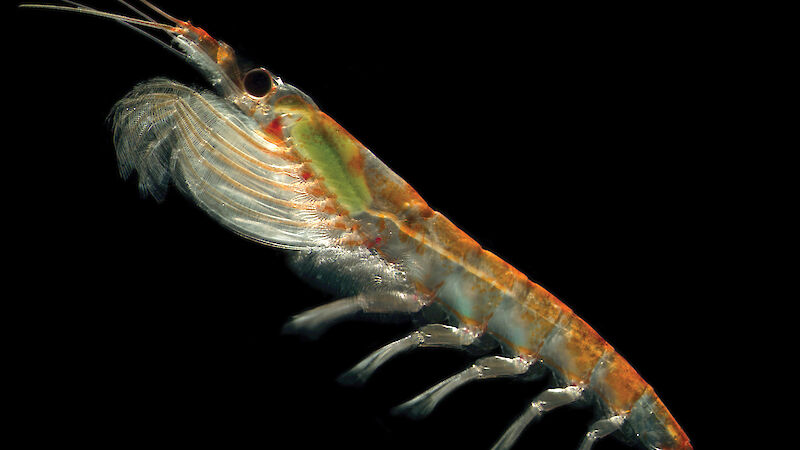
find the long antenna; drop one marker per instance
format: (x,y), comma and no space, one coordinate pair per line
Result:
(124,20)
(159,11)
(94,12)
(134,10)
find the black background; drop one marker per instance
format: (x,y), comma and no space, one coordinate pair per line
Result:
(577,147)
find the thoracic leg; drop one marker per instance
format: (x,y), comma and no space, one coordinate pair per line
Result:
(315,321)
(484,368)
(601,429)
(546,401)
(433,335)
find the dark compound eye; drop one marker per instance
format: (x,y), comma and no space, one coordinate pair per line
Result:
(257,82)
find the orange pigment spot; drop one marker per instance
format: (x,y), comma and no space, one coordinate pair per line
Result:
(223,55)
(340,224)
(315,191)
(356,164)
(274,128)
(201,33)
(373,243)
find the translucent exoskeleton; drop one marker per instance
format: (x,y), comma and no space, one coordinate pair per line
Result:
(261,158)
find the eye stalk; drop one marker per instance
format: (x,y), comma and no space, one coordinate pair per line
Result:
(258,83)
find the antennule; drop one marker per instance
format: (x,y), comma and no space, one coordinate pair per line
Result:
(162,13)
(129,6)
(94,12)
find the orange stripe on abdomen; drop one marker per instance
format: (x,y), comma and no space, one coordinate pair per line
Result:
(617,383)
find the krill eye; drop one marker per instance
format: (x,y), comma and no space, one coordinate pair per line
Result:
(257,82)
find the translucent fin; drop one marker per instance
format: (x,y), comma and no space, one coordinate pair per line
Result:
(546,401)
(601,429)
(433,335)
(484,368)
(314,322)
